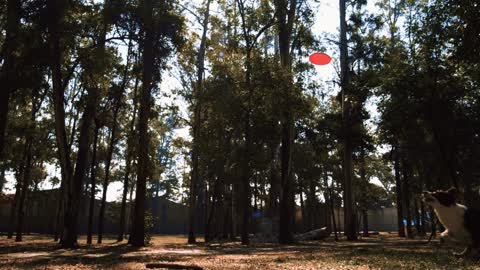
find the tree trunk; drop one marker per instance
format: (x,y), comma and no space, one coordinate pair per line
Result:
(72,127)
(132,206)
(18,191)
(30,206)
(327,212)
(433,223)
(398,191)
(245,186)
(247,154)
(218,190)
(417,217)
(272,204)
(311,204)
(211,214)
(128,165)
(286,13)
(13,209)
(286,195)
(56,10)
(472,198)
(26,172)
(227,215)
(406,196)
(137,237)
(106,181)
(195,181)
(24,190)
(93,175)
(232,214)
(349,200)
(2,178)
(58,220)
(123,209)
(331,204)
(423,218)
(74,190)
(363,177)
(246,168)
(365,223)
(7,75)
(28,167)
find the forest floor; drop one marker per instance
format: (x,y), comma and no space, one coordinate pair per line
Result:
(383,251)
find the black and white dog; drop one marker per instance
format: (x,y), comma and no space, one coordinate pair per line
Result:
(462,224)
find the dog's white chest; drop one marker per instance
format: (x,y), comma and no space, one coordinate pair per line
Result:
(452,219)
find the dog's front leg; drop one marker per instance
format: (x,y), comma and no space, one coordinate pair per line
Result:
(445,237)
(465,252)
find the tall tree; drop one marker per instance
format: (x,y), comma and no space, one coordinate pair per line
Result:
(398,192)
(251,40)
(128,161)
(117,101)
(94,76)
(348,193)
(93,182)
(137,238)
(36,103)
(56,10)
(195,184)
(286,13)
(18,186)
(7,71)
(74,189)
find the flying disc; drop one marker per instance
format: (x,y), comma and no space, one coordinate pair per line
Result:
(320,59)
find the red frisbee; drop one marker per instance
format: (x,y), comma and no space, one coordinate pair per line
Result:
(320,59)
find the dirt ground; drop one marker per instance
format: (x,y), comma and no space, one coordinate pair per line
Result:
(383,251)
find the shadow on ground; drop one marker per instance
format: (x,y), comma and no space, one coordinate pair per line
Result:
(384,252)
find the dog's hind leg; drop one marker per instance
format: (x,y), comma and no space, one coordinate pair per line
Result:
(475,254)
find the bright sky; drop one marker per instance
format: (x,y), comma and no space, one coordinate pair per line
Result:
(327,21)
